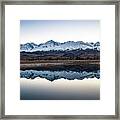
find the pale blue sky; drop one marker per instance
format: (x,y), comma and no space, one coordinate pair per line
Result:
(40,31)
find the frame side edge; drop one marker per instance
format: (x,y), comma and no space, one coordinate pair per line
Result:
(2,59)
(117,9)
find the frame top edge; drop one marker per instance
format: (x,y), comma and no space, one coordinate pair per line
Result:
(61,2)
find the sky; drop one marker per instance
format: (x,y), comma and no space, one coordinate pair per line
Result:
(40,31)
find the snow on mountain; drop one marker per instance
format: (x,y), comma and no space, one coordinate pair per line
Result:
(28,46)
(52,45)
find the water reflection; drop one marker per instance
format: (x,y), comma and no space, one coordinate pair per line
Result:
(54,75)
(42,89)
(69,82)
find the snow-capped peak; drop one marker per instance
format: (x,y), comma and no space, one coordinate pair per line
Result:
(52,45)
(50,42)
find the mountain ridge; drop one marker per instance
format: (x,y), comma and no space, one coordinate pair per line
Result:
(53,45)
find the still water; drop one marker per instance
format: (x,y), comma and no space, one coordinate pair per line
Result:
(59,85)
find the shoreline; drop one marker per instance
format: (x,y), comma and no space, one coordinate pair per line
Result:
(58,63)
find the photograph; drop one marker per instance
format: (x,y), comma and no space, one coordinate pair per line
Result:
(60,59)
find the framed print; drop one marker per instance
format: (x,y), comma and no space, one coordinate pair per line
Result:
(59,59)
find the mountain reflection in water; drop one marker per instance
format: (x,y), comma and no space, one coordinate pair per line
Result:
(58,72)
(54,75)
(70,83)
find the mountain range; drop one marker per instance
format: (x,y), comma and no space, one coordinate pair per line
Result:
(52,45)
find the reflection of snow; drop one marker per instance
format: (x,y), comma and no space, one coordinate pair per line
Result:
(54,75)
